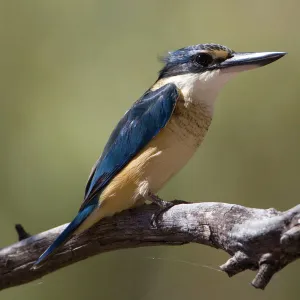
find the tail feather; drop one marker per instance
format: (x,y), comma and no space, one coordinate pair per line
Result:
(65,235)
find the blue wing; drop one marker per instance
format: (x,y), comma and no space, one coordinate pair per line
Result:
(135,130)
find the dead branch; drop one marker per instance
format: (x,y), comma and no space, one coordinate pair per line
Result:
(256,239)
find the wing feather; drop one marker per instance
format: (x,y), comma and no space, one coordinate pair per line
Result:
(134,131)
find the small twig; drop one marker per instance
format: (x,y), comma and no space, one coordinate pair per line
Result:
(264,275)
(22,234)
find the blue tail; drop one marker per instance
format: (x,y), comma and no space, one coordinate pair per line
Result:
(65,235)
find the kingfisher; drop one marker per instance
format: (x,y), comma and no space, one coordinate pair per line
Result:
(159,134)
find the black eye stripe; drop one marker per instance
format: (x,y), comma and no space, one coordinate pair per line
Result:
(203,59)
(220,60)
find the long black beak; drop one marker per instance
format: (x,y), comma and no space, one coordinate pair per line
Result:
(250,60)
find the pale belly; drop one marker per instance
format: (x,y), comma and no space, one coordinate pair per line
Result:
(162,158)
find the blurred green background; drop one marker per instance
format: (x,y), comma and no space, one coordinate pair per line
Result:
(68,72)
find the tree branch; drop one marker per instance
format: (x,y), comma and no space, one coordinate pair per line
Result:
(256,239)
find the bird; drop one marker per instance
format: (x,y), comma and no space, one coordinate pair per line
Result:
(159,134)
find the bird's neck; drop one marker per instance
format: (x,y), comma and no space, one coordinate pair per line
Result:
(196,90)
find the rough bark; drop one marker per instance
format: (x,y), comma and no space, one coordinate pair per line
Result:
(256,239)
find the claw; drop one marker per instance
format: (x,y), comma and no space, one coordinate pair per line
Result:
(156,215)
(164,205)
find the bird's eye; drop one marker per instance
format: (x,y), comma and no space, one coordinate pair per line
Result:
(203,59)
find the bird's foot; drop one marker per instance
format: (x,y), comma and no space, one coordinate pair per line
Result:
(164,206)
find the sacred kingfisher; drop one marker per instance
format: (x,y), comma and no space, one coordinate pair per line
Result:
(159,134)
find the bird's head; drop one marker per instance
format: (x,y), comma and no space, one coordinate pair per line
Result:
(201,70)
